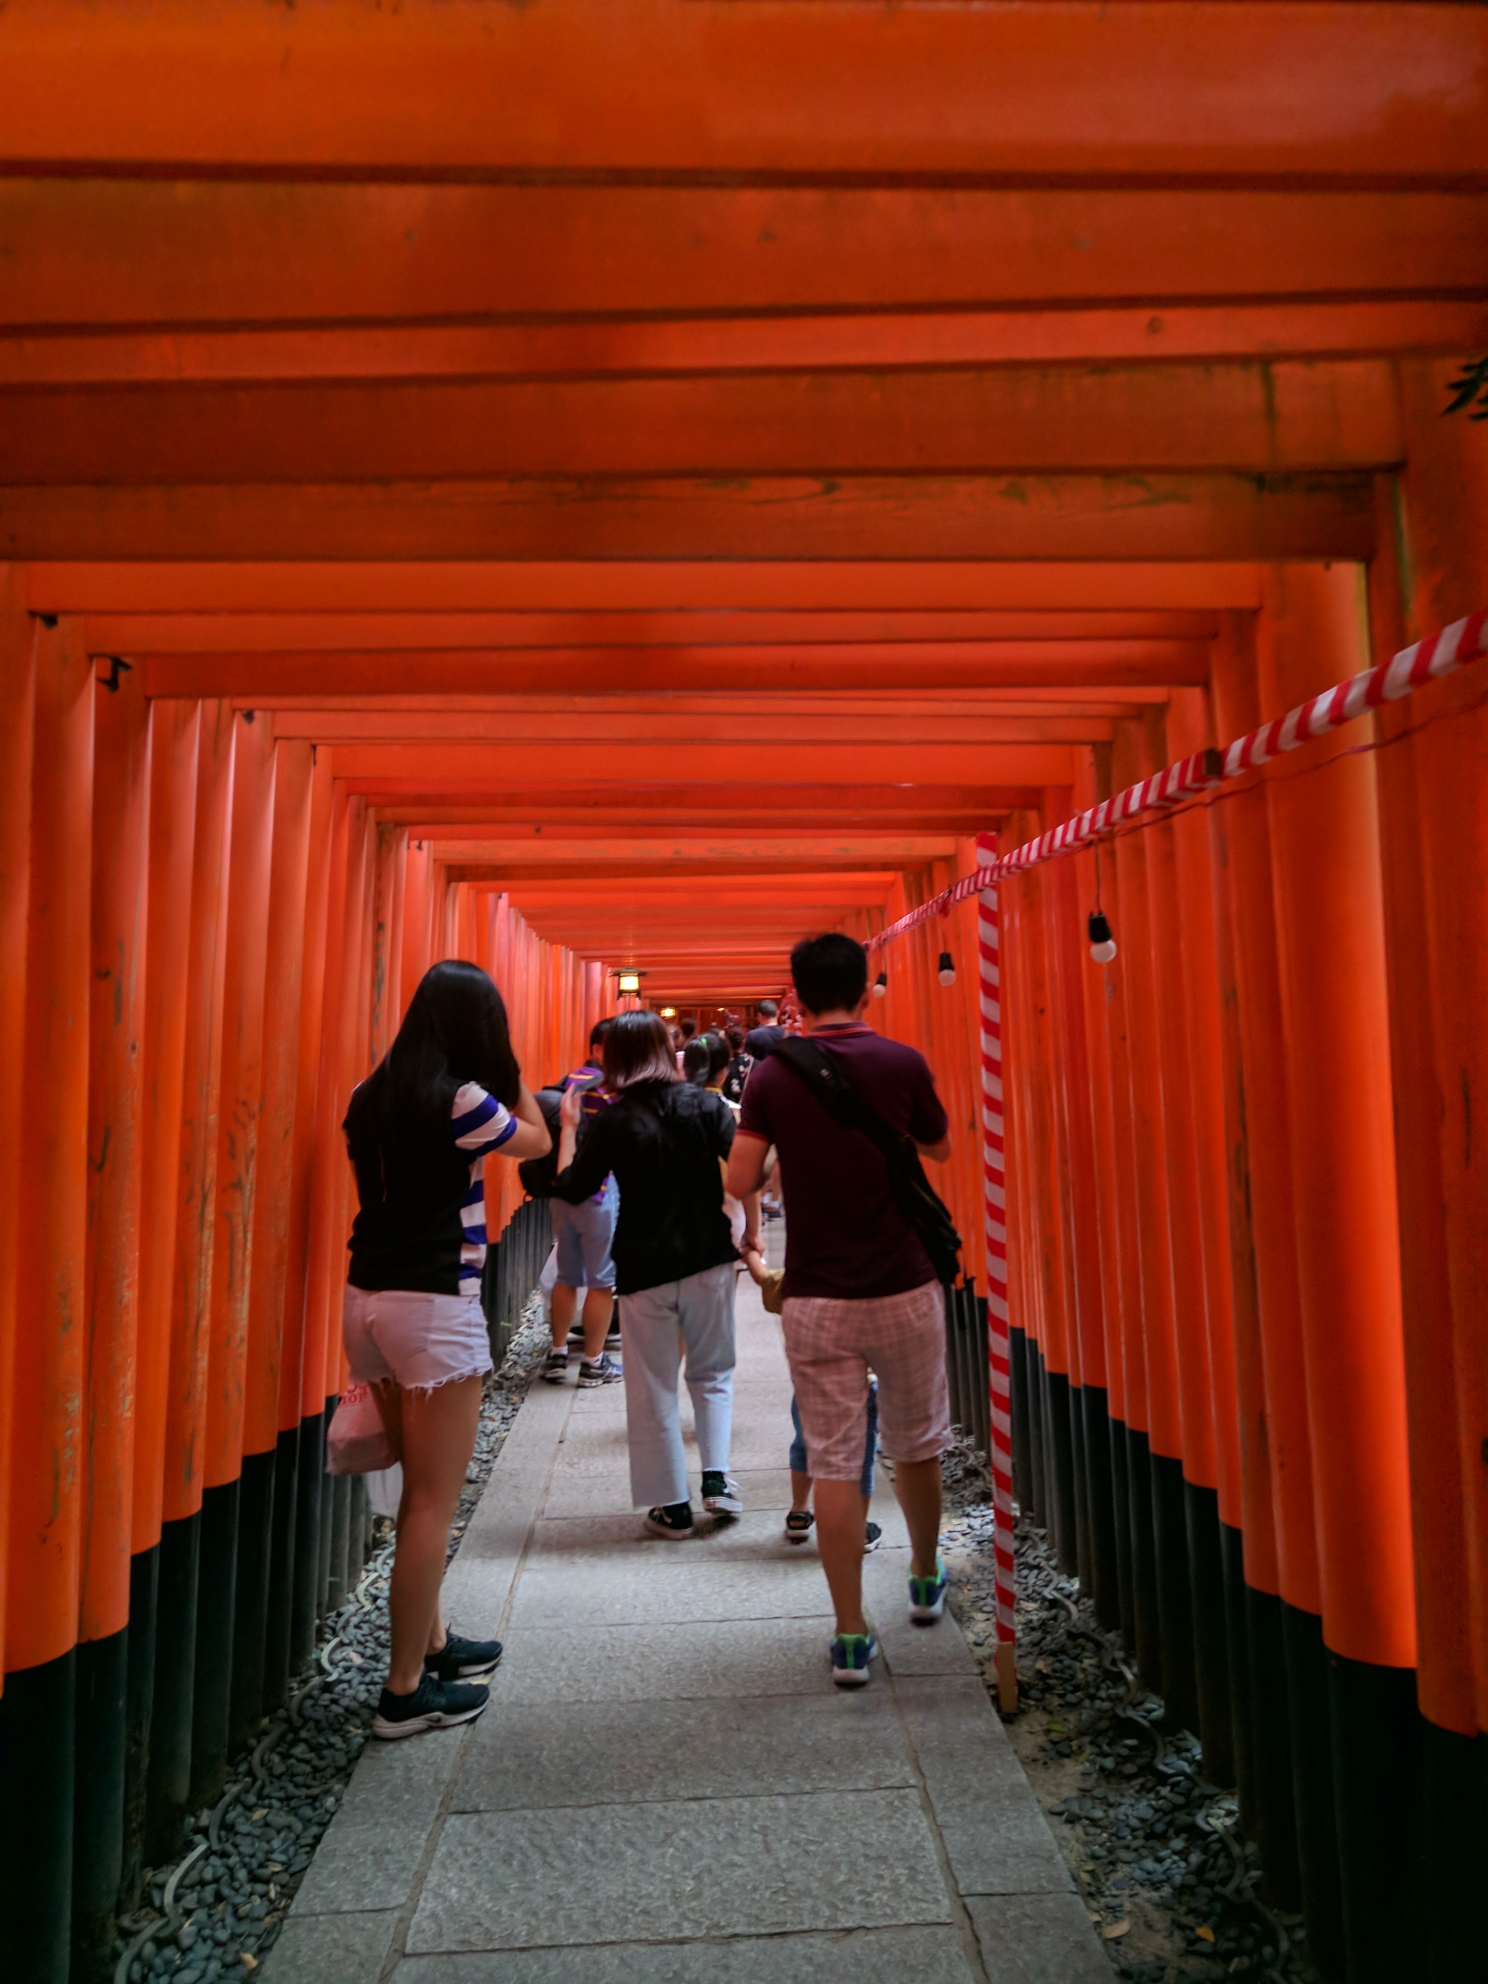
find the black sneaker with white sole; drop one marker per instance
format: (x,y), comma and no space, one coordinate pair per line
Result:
(674,1521)
(602,1371)
(434,1704)
(556,1368)
(721,1495)
(462,1660)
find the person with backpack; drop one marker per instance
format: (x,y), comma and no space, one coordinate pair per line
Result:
(737,1072)
(675,1263)
(582,1234)
(867,1247)
(447,1096)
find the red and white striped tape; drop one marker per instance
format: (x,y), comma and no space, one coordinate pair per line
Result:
(1439,654)
(995,1189)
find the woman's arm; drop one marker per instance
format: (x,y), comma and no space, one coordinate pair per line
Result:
(530,1138)
(580,1176)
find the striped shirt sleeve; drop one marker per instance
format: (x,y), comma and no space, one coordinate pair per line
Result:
(480,1123)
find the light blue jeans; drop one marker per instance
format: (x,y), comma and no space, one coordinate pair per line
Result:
(657,1326)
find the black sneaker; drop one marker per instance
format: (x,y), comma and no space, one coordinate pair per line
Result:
(434,1704)
(462,1660)
(721,1494)
(603,1371)
(872,1540)
(674,1521)
(798,1525)
(556,1368)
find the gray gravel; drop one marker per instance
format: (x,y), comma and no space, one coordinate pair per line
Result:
(1157,1854)
(219,1908)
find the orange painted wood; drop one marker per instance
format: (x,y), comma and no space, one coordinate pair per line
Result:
(241,1096)
(1258,416)
(18,689)
(116,1017)
(1330,931)
(1161,515)
(327,1149)
(48,1458)
(1275,1430)
(272,1321)
(451,584)
(185,1451)
(1154,89)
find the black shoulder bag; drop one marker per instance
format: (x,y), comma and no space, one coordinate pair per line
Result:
(914,1195)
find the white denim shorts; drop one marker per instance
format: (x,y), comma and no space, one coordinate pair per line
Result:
(417,1340)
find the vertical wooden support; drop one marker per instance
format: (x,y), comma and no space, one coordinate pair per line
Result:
(48,1369)
(115,1039)
(18,688)
(417,946)
(994,1172)
(387,936)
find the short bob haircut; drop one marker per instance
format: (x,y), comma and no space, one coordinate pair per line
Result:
(637,1049)
(830,972)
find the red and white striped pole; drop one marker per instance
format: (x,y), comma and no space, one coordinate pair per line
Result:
(998,1354)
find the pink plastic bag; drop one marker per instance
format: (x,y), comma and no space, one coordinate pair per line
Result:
(356,1439)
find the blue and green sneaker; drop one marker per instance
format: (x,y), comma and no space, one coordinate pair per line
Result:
(927,1597)
(851,1655)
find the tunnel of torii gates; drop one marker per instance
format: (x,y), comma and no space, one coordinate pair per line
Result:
(583,486)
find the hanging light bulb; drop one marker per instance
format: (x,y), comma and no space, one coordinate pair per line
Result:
(1102,943)
(946,970)
(881,985)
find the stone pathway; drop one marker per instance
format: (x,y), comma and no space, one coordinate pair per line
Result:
(666,1788)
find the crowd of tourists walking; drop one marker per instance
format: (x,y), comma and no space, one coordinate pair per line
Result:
(653,1157)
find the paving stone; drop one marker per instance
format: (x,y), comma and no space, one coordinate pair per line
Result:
(1037,1939)
(331,1949)
(694,1661)
(593,1753)
(707,1867)
(996,1838)
(854,1956)
(372,1847)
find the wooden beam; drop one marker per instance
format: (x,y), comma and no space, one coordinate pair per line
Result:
(1104,518)
(672,584)
(266,677)
(1175,88)
(1293,415)
(691,761)
(1074,334)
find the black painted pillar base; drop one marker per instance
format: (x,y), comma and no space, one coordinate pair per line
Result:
(144,1576)
(1210,1636)
(37,1771)
(1376,1745)
(1312,1788)
(1126,1576)
(1237,1643)
(217,1578)
(169,1775)
(1105,1588)
(1271,1749)
(1038,1477)
(1018,1386)
(279,1601)
(98,1803)
(251,1598)
(1060,1460)
(1454,1854)
(304,1584)
(1144,1562)
(1174,1594)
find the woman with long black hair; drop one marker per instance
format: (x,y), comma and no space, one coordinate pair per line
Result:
(675,1264)
(447,1095)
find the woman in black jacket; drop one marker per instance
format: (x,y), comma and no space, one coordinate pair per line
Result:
(447,1096)
(675,1263)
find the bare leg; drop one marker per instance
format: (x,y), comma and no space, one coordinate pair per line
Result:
(841,1518)
(565,1302)
(599,1305)
(438,1440)
(917,1484)
(800,1492)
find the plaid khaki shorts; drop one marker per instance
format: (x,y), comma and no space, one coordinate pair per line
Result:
(832,1344)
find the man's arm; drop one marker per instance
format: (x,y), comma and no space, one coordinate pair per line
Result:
(746,1165)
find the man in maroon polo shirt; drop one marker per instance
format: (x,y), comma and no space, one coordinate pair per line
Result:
(860,1291)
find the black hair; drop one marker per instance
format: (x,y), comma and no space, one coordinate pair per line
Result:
(830,972)
(718,1054)
(735,1038)
(697,1061)
(598,1032)
(455,1031)
(689,1028)
(767,1008)
(637,1049)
